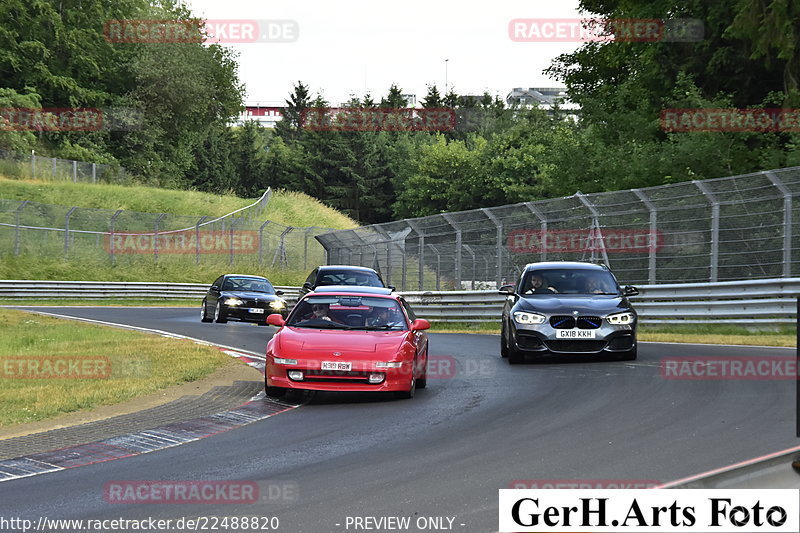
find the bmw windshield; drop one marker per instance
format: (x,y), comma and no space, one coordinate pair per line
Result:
(248,285)
(569,281)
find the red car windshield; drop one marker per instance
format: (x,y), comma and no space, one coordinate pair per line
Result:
(348,312)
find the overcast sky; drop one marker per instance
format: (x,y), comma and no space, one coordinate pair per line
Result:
(355,46)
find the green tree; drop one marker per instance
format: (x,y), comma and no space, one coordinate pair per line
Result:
(432,98)
(394,98)
(290,126)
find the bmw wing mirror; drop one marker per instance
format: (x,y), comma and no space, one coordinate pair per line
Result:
(307,286)
(278,293)
(214,288)
(392,288)
(507,290)
(630,290)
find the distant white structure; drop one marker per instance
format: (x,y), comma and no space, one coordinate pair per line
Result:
(411,100)
(544,97)
(267,116)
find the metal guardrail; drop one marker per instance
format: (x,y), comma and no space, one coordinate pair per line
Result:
(76,290)
(751,301)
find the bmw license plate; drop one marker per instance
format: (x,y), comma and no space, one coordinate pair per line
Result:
(256,310)
(577,334)
(337,365)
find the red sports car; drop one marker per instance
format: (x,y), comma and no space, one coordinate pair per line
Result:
(348,339)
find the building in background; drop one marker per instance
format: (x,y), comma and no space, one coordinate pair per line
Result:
(266,115)
(411,100)
(544,97)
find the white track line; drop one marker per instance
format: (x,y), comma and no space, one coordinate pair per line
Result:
(254,355)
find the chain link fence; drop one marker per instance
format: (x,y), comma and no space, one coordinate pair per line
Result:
(37,167)
(121,237)
(733,228)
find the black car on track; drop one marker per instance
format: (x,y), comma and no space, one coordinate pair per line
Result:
(342,275)
(567,308)
(242,297)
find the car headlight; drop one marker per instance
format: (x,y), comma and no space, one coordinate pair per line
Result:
(384,364)
(621,319)
(233,301)
(277,304)
(281,361)
(529,318)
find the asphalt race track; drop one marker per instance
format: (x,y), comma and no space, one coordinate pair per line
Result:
(447,451)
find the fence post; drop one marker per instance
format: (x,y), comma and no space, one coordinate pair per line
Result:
(94,172)
(197,239)
(499,243)
(113,229)
(653,241)
(234,221)
(388,241)
(74,171)
(468,248)
(543,223)
(33,164)
(787,222)
(456,227)
(280,251)
(421,254)
(17,213)
(66,230)
(305,247)
(261,241)
(596,225)
(155,235)
(714,228)
(54,167)
(438,266)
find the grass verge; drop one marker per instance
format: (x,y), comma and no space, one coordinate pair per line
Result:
(124,365)
(688,333)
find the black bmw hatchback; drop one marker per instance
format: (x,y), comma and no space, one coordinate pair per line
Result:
(567,308)
(242,297)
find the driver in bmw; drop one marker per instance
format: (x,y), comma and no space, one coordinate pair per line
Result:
(538,285)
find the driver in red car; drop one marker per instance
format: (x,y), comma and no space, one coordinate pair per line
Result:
(320,312)
(382,316)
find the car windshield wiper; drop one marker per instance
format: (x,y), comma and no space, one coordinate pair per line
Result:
(385,326)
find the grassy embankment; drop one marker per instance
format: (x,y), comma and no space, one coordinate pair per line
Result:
(42,255)
(114,365)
